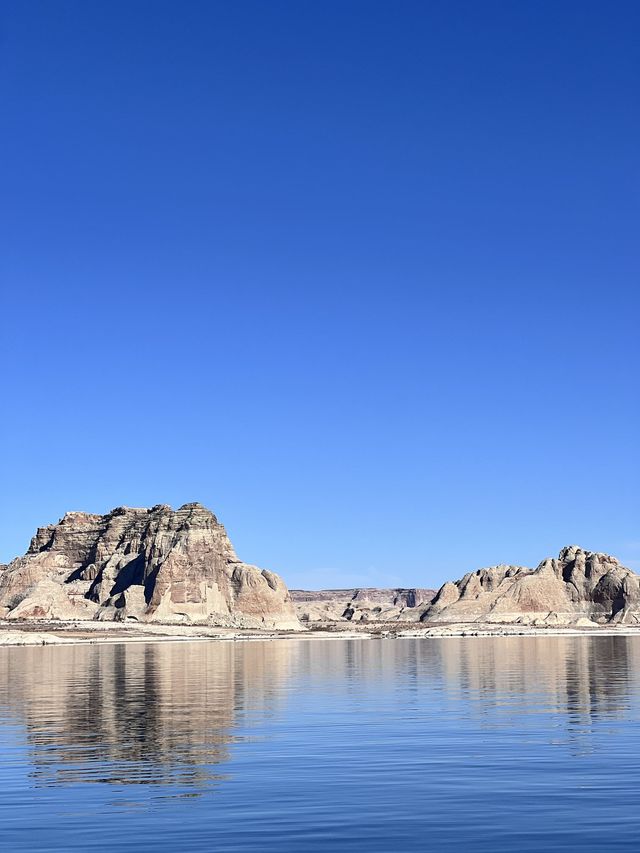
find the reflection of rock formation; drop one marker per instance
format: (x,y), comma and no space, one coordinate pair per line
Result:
(578,678)
(145,564)
(582,677)
(169,712)
(136,713)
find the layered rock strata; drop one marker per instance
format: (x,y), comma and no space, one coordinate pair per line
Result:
(155,564)
(577,588)
(363,604)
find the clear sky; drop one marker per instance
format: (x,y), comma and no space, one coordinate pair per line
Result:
(361,277)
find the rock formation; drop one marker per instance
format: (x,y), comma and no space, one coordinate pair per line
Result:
(579,587)
(153,564)
(364,604)
(178,566)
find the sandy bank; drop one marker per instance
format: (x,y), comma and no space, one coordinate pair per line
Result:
(54,633)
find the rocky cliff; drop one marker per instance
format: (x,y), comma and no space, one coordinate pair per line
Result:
(579,587)
(155,564)
(362,604)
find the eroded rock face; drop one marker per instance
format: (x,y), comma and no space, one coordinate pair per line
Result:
(579,585)
(155,564)
(363,604)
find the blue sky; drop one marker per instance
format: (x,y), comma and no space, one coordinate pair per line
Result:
(362,277)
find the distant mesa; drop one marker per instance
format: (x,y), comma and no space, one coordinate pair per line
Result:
(151,565)
(360,605)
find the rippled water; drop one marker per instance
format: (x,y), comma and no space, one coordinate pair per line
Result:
(528,744)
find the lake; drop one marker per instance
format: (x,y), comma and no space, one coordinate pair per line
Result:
(472,744)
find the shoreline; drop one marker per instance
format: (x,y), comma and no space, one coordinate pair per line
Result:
(92,633)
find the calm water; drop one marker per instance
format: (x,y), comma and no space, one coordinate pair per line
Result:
(529,744)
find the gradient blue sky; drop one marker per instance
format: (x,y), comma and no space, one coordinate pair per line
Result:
(362,277)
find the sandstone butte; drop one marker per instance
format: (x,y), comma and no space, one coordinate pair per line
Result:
(150,565)
(178,566)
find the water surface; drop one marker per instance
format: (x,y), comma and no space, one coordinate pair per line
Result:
(474,744)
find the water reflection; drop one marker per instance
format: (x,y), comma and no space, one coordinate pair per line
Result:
(159,714)
(549,685)
(127,714)
(586,677)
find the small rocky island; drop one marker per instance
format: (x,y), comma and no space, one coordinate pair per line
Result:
(165,567)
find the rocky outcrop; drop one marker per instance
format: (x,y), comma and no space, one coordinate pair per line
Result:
(155,564)
(579,587)
(363,604)
(178,566)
